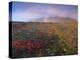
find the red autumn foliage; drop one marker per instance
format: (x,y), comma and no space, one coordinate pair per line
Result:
(28,44)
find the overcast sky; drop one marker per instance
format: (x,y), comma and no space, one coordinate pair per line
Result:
(30,11)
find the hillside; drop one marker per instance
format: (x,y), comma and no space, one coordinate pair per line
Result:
(61,38)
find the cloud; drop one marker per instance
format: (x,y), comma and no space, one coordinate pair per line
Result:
(42,11)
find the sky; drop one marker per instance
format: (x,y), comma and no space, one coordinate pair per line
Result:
(25,11)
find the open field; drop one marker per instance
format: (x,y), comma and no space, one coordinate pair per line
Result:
(36,39)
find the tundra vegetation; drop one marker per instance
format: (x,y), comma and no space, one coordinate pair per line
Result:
(36,39)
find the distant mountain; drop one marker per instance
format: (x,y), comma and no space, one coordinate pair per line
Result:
(61,19)
(52,19)
(56,20)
